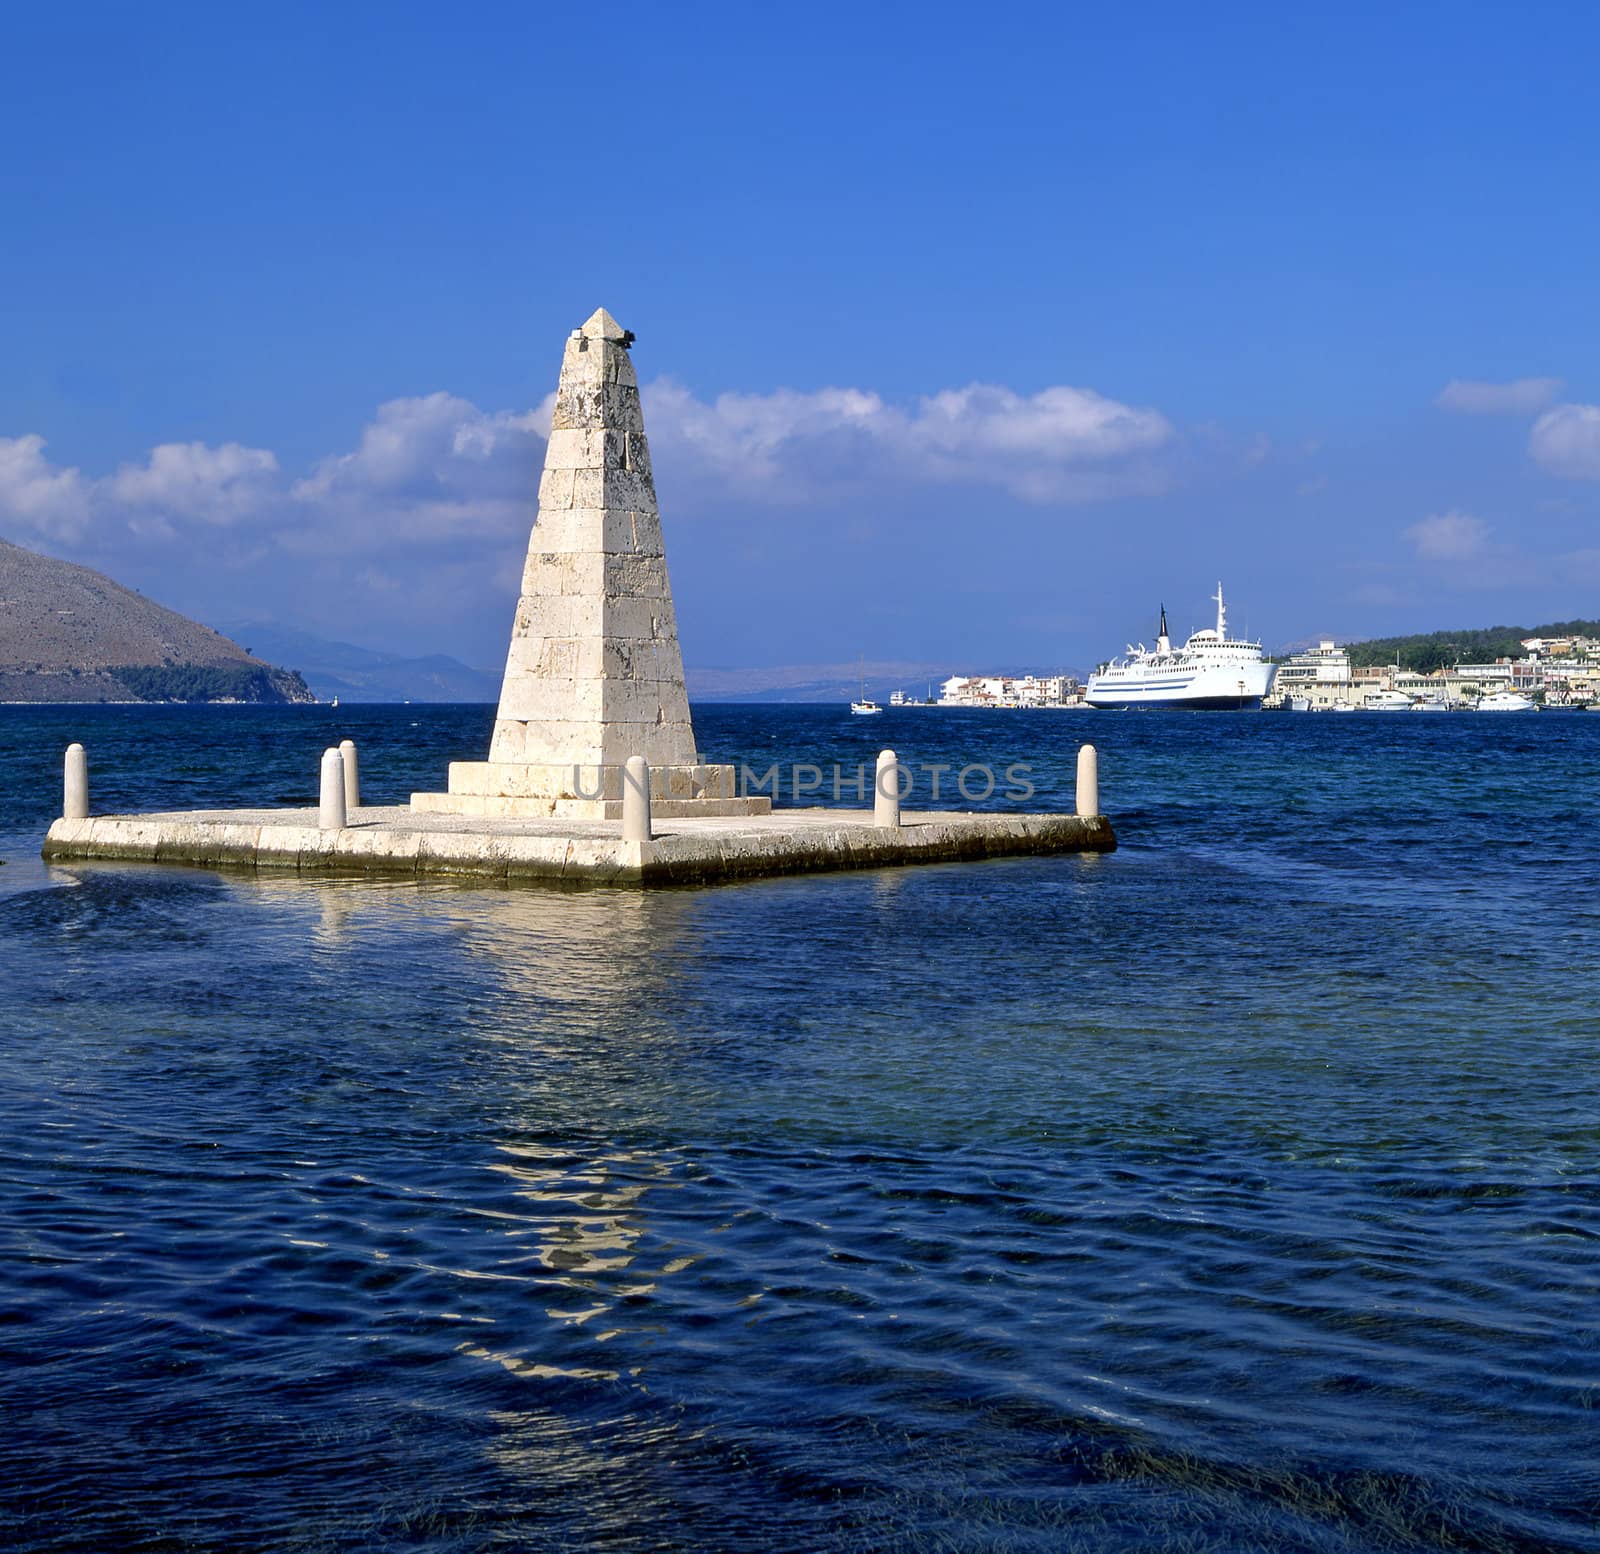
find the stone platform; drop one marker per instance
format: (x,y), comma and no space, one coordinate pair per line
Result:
(396,839)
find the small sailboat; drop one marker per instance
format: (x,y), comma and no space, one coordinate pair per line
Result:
(865,705)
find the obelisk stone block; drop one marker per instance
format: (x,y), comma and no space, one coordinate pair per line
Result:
(594,673)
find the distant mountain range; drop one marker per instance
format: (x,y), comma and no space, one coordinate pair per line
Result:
(69,634)
(363,674)
(816,682)
(355,674)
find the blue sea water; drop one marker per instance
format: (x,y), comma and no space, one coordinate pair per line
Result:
(1239,1190)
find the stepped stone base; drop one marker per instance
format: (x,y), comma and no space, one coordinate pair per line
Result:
(532,791)
(498,807)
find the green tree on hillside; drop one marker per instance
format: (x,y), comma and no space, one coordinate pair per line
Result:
(1427,651)
(210,682)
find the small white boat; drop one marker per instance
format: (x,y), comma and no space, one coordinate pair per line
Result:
(1387,701)
(1507,701)
(1430,704)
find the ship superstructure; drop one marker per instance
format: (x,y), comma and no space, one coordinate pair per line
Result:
(1208,671)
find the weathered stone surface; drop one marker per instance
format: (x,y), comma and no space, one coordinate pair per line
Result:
(623,490)
(555,491)
(689,846)
(636,457)
(581,405)
(586,529)
(628,576)
(573,448)
(547,574)
(519,744)
(537,693)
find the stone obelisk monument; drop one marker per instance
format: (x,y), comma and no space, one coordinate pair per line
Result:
(594,674)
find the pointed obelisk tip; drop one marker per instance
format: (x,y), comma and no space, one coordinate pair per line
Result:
(602,326)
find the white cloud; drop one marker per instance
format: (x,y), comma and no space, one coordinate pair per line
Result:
(1459,551)
(1449,537)
(38,495)
(432,471)
(427,469)
(1566,441)
(1059,445)
(1521,396)
(190,480)
(1055,426)
(744,435)
(425,448)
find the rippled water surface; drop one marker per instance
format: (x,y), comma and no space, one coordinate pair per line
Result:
(1239,1190)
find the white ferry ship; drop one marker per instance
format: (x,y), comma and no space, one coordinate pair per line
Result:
(1208,671)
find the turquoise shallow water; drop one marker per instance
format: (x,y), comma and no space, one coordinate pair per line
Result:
(1239,1190)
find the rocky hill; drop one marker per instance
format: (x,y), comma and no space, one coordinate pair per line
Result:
(69,634)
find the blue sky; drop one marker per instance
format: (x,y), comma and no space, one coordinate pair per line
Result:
(968,335)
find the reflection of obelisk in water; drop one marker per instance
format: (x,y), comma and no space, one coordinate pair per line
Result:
(594,674)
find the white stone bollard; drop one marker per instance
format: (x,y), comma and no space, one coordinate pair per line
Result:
(352,774)
(1088,781)
(886,790)
(636,800)
(330,811)
(75,788)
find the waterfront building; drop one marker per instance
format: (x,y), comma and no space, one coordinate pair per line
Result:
(1562,647)
(1314,679)
(1565,671)
(1573,680)
(1470,681)
(1326,664)
(1010,691)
